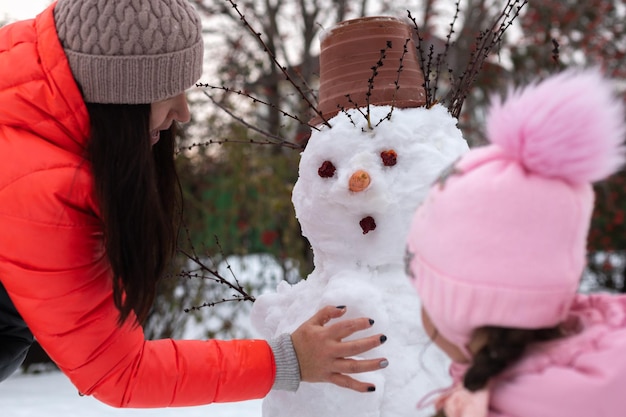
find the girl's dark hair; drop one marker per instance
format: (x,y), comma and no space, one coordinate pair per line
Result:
(139,197)
(503,347)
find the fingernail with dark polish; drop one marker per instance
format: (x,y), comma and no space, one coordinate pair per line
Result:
(371,389)
(384,363)
(341,307)
(383,339)
(371,322)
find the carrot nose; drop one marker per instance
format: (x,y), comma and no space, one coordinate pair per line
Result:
(359,181)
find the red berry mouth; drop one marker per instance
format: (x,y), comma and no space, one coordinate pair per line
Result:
(367,224)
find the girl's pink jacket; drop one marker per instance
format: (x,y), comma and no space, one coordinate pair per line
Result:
(52,260)
(581,375)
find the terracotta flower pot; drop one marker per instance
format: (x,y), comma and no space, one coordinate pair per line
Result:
(351,49)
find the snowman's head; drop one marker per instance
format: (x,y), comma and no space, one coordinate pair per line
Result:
(358,186)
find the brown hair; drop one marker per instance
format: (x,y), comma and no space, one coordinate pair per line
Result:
(503,347)
(139,196)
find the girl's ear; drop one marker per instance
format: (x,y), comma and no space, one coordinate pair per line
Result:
(480,337)
(459,354)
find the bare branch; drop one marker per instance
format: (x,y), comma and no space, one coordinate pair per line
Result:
(267,50)
(213,274)
(254,100)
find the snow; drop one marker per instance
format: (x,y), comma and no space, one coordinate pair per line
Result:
(51,394)
(363,267)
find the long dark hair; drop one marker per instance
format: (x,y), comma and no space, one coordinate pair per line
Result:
(504,346)
(139,196)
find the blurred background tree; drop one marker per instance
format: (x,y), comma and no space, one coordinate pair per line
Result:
(589,33)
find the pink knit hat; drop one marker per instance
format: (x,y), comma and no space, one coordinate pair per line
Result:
(501,238)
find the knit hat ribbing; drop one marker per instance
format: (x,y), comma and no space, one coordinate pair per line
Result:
(501,239)
(131,51)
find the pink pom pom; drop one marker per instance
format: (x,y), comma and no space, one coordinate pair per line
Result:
(569,126)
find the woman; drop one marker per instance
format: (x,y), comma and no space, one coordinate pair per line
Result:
(90,92)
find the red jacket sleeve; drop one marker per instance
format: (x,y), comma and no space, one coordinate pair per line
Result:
(52,264)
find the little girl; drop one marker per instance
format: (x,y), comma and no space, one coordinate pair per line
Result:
(497,250)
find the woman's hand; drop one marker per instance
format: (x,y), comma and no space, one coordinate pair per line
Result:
(324,357)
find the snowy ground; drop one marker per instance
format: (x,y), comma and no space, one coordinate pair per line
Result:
(51,394)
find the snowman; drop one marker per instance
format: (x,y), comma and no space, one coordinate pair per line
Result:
(361,177)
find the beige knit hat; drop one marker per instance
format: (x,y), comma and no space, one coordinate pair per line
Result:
(131,51)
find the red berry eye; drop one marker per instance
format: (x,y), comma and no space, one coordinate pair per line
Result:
(390,157)
(327,170)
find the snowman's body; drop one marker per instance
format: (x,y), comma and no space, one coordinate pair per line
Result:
(358,240)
